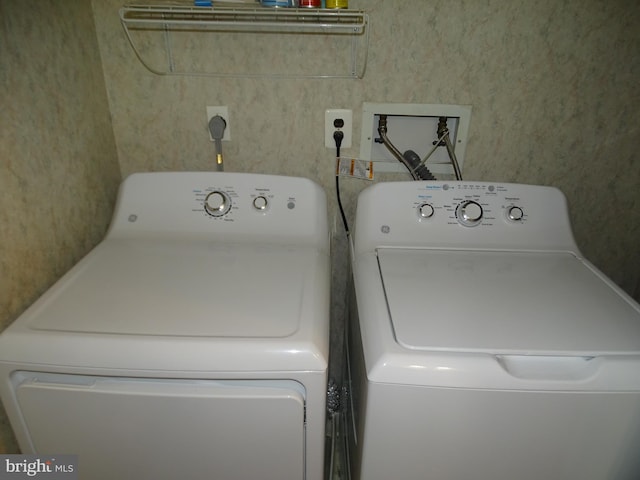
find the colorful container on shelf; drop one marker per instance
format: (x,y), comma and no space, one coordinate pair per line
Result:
(337,3)
(306,3)
(279,3)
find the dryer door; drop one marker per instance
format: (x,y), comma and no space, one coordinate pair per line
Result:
(167,429)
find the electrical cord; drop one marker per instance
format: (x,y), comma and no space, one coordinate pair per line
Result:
(337,137)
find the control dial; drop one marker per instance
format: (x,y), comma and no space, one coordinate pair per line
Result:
(425,210)
(260,203)
(217,203)
(514,213)
(469,213)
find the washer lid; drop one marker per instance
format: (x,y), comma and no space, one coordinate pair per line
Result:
(181,288)
(511,303)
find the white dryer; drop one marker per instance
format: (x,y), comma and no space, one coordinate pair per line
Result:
(191,343)
(482,344)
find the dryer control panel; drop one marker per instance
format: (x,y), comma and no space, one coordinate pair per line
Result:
(223,206)
(463,215)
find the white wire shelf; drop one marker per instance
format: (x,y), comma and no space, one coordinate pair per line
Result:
(248,41)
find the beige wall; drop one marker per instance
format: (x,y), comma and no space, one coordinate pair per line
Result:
(553,85)
(58,165)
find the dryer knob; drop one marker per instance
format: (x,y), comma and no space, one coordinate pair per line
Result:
(469,213)
(260,203)
(217,203)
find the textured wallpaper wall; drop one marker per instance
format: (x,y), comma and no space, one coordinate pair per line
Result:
(58,165)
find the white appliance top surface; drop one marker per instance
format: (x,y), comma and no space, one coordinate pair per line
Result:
(168,288)
(504,302)
(200,271)
(169,305)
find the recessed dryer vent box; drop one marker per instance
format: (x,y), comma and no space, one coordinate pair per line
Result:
(414,127)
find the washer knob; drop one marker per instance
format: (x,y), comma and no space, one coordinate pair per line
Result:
(260,203)
(426,210)
(515,214)
(217,203)
(469,213)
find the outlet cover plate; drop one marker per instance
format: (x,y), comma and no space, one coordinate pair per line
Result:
(332,114)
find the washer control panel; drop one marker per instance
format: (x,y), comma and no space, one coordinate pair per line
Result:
(461,214)
(470,205)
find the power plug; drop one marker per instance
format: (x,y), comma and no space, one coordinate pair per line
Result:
(341,120)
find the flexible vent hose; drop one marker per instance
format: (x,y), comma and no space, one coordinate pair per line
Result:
(420,169)
(410,159)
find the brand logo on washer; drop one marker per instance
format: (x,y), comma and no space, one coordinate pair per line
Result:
(57,467)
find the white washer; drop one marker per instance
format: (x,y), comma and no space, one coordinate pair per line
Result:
(483,345)
(191,343)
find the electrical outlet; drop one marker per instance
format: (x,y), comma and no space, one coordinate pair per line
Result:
(224,113)
(330,116)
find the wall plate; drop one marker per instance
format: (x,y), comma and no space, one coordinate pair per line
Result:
(329,116)
(414,127)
